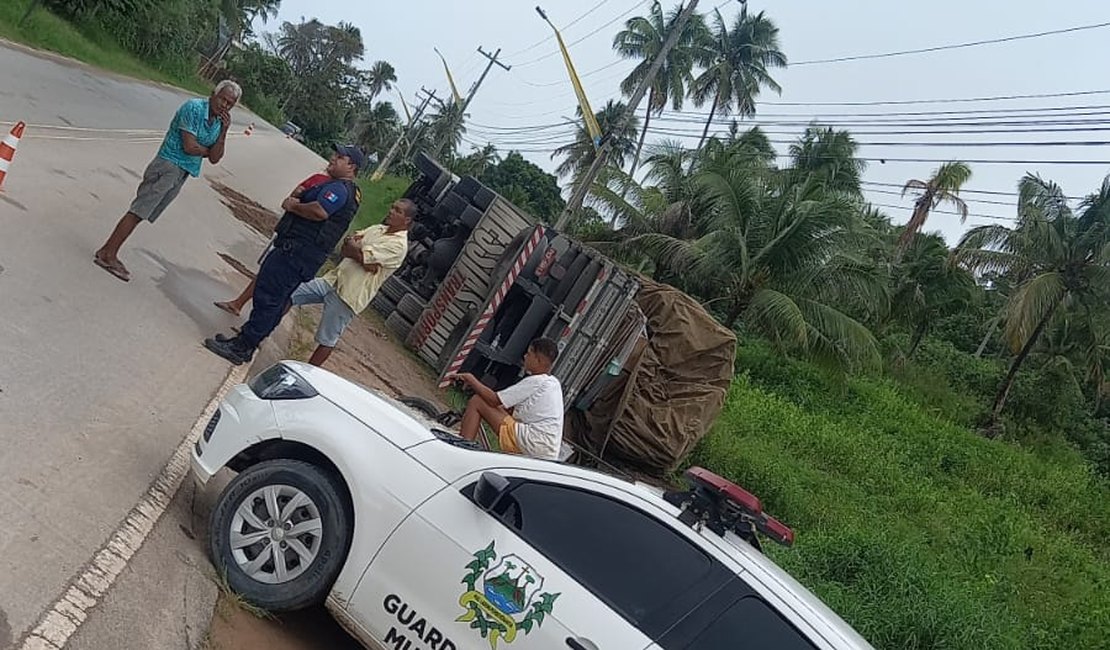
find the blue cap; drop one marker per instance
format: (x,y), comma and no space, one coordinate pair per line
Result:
(351,152)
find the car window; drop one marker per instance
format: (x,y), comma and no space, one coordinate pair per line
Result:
(751,623)
(638,565)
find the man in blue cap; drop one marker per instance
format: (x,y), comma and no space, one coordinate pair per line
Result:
(307,233)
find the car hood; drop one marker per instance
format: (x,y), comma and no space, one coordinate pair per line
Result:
(402,425)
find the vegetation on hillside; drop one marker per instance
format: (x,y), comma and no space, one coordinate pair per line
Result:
(918,532)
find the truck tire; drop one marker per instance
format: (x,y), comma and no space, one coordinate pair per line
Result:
(394,289)
(383,305)
(468,186)
(398,325)
(454,204)
(427,166)
(248,498)
(484,198)
(471,216)
(411,307)
(437,188)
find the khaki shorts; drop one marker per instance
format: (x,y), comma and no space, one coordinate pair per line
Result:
(161,182)
(506,436)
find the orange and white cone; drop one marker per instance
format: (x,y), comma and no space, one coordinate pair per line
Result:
(7,149)
(250,129)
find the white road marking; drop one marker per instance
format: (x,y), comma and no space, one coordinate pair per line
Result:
(66,615)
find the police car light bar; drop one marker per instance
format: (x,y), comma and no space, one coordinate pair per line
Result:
(720,505)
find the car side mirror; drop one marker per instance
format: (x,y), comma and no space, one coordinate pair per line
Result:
(489,489)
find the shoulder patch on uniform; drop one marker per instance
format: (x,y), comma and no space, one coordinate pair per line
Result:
(330,196)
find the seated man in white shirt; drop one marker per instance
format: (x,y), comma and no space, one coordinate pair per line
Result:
(527,416)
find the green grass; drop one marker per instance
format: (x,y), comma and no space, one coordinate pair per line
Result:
(917,531)
(376,199)
(44,30)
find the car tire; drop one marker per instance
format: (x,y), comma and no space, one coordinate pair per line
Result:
(308,584)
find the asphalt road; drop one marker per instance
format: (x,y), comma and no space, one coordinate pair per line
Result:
(100,380)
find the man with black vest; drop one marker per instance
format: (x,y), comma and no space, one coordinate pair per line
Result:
(308,232)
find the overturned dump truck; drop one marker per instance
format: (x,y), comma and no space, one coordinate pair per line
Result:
(483,278)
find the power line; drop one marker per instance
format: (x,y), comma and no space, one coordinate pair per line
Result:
(970,215)
(565,27)
(985,112)
(584,37)
(954,46)
(949,100)
(1033,116)
(967,191)
(1008,204)
(565,136)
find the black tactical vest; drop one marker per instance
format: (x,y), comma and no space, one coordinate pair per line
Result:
(316,239)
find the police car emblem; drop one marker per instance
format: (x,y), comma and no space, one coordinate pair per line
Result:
(503,597)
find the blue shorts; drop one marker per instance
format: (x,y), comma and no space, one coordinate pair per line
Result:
(337,314)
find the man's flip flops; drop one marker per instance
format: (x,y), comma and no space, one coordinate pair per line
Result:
(226,306)
(115,268)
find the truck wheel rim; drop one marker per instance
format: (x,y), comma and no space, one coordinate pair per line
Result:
(275,534)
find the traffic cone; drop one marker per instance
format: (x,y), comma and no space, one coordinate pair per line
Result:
(7,149)
(250,129)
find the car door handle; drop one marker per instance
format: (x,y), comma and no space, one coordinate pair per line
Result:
(580,644)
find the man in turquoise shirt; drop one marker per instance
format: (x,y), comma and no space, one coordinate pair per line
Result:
(198,131)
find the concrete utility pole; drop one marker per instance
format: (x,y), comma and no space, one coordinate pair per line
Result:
(587,179)
(470,95)
(388,159)
(492,59)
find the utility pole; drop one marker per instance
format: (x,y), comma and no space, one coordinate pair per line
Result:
(461,115)
(388,159)
(492,59)
(587,179)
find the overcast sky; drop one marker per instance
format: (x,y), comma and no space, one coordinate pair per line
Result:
(536,91)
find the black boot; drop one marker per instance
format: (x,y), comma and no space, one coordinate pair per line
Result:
(232,349)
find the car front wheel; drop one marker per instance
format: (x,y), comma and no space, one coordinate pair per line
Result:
(279,534)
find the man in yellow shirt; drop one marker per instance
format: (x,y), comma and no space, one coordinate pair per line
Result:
(369,257)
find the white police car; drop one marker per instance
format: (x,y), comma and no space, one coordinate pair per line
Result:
(417,541)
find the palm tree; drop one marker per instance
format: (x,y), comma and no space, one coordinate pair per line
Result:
(1064,261)
(643,38)
(943,185)
(580,153)
(239,14)
(477,161)
(927,287)
(831,156)
(376,129)
(446,130)
(737,62)
(773,251)
(380,78)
